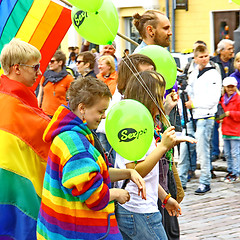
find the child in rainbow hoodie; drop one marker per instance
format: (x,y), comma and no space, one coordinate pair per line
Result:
(77,202)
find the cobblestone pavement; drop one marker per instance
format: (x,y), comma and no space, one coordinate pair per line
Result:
(215,215)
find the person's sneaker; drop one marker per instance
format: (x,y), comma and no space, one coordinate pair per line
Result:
(226,178)
(213,175)
(223,158)
(202,189)
(232,179)
(215,158)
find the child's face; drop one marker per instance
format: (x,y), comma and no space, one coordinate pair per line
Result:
(96,113)
(202,59)
(230,90)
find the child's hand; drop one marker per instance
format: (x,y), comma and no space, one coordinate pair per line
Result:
(123,196)
(185,139)
(169,138)
(170,102)
(188,104)
(136,178)
(227,114)
(173,207)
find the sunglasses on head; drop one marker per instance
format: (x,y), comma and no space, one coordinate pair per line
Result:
(35,67)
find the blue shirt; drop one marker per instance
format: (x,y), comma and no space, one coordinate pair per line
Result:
(138,48)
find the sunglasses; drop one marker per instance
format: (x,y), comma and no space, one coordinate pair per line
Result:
(35,67)
(52,61)
(78,62)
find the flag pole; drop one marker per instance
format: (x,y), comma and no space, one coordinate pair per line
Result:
(119,34)
(66,2)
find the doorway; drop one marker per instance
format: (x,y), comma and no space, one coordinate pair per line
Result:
(225,22)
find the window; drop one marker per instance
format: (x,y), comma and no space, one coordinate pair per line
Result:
(181,4)
(132,33)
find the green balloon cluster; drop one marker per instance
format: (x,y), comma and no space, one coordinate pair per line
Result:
(97,27)
(87,5)
(129,129)
(165,63)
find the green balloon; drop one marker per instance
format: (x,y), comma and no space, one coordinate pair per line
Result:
(165,63)
(87,5)
(100,27)
(129,129)
(236,1)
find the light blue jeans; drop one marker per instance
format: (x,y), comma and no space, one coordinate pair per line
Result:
(140,226)
(232,154)
(185,162)
(203,135)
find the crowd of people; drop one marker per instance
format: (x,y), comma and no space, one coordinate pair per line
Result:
(209,104)
(62,179)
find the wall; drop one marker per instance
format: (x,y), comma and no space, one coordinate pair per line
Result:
(195,24)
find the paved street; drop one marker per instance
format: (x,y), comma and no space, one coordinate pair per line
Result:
(215,215)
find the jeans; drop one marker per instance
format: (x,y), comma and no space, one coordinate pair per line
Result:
(232,154)
(215,140)
(204,135)
(186,161)
(140,226)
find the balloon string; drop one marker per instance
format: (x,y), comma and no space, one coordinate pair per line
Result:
(140,80)
(107,26)
(144,85)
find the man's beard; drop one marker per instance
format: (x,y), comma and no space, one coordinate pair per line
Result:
(161,42)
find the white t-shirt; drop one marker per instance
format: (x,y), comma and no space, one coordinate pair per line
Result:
(136,203)
(115,99)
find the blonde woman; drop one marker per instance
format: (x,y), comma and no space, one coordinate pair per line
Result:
(107,72)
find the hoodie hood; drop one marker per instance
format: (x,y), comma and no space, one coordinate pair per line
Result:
(65,120)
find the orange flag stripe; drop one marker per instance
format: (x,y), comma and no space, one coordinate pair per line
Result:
(46,25)
(54,39)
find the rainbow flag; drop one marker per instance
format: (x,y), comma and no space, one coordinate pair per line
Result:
(42,23)
(23,158)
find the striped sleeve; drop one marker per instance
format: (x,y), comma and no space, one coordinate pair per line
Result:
(81,173)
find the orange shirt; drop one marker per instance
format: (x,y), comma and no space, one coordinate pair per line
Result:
(54,94)
(111,81)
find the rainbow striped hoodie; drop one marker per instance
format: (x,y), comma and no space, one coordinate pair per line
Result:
(23,160)
(75,199)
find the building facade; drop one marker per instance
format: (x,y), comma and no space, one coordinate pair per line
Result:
(207,20)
